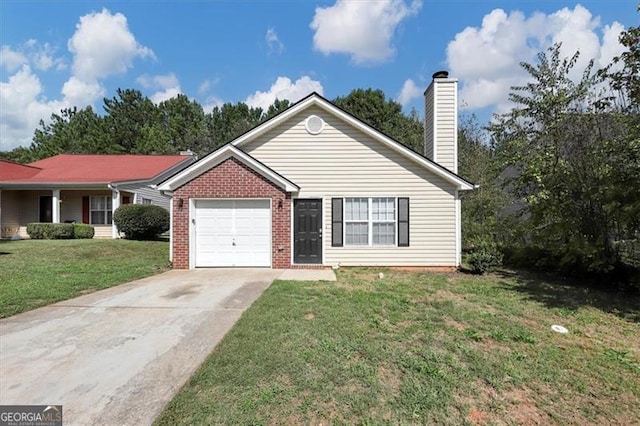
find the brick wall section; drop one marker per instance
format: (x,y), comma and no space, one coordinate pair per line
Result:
(232,179)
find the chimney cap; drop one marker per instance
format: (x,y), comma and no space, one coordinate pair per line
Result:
(440,74)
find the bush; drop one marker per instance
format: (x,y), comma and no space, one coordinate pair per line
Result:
(141,222)
(482,255)
(83,231)
(50,231)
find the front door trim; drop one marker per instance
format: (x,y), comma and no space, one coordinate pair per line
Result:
(320,250)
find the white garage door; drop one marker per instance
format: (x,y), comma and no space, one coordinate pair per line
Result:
(232,233)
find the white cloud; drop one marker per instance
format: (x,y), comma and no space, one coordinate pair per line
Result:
(486,58)
(364,30)
(210,103)
(11,59)
(204,87)
(167,86)
(102,45)
(81,93)
(40,56)
(284,88)
(410,91)
(22,108)
(611,46)
(274,44)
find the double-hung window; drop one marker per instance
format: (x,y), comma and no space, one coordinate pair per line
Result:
(100,210)
(370,221)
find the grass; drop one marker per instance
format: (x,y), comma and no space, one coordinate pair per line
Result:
(35,273)
(417,348)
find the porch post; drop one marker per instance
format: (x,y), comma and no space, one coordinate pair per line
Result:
(55,206)
(115,203)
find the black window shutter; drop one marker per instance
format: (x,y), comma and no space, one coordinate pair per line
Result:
(336,222)
(403,222)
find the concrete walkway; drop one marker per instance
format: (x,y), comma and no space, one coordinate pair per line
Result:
(119,355)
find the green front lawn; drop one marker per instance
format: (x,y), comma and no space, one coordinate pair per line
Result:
(35,273)
(414,348)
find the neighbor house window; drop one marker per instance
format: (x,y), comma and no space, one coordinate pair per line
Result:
(100,210)
(146,201)
(370,221)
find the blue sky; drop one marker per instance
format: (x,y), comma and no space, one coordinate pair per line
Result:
(58,54)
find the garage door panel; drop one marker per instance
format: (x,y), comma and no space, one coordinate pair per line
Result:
(232,233)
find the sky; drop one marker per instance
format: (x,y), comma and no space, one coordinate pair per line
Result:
(58,54)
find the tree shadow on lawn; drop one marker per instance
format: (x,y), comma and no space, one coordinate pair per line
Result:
(572,294)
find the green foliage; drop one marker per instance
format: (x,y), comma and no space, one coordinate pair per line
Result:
(141,222)
(569,161)
(372,107)
(482,255)
(72,131)
(133,124)
(50,231)
(83,231)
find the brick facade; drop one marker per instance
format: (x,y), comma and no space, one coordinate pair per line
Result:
(233,179)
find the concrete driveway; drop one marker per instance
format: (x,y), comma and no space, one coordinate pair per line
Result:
(118,356)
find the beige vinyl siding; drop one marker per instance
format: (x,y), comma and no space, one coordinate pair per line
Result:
(9,213)
(428,123)
(446,124)
(344,162)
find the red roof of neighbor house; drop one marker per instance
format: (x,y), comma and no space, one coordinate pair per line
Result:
(11,170)
(78,168)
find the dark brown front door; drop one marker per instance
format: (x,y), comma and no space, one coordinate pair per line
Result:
(307,231)
(46,212)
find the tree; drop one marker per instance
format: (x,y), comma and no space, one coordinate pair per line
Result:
(72,131)
(482,206)
(129,114)
(184,124)
(229,121)
(372,107)
(556,148)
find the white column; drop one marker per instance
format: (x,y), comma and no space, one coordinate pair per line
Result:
(115,203)
(55,206)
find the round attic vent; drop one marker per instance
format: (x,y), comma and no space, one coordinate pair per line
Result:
(314,124)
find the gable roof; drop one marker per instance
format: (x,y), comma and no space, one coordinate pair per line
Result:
(98,169)
(217,157)
(314,99)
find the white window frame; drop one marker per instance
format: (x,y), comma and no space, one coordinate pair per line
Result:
(107,209)
(370,222)
(146,201)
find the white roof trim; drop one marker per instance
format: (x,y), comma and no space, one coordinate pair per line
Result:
(217,157)
(316,100)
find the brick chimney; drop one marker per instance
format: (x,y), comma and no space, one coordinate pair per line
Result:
(441,121)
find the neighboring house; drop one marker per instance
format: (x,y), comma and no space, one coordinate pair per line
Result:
(81,188)
(315,186)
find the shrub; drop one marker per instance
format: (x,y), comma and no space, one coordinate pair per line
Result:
(482,255)
(50,231)
(83,231)
(141,222)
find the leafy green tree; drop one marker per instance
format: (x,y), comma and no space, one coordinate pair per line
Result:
(229,121)
(71,131)
(276,108)
(480,207)
(557,146)
(127,115)
(372,107)
(184,123)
